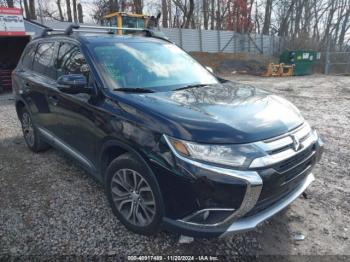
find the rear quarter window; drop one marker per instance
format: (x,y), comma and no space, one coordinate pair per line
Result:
(43,59)
(28,56)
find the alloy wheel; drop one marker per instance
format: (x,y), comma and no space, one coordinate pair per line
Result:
(28,130)
(133,197)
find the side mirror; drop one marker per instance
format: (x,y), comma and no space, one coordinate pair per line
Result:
(73,84)
(210,69)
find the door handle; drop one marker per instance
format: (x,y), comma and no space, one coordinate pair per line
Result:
(53,100)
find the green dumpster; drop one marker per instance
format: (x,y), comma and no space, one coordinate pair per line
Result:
(301,59)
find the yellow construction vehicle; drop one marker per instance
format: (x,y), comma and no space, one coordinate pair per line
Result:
(126,20)
(279,70)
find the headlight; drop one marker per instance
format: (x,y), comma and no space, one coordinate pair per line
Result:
(231,155)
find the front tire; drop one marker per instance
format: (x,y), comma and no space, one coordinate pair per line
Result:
(134,195)
(31,134)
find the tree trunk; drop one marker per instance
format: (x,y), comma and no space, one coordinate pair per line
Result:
(298,17)
(206,14)
(26,9)
(32,10)
(60,10)
(164,13)
(123,5)
(80,14)
(9,3)
(283,30)
(218,16)
(169,13)
(69,11)
(267,19)
(138,6)
(212,18)
(189,14)
(344,28)
(75,16)
(327,37)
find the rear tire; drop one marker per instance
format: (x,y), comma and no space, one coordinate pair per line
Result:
(31,134)
(134,195)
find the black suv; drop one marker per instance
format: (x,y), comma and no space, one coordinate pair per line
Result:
(176,147)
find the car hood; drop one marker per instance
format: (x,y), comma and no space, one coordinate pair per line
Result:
(224,113)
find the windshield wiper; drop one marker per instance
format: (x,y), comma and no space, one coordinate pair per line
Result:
(134,90)
(191,86)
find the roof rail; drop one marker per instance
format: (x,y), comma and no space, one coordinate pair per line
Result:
(69,29)
(48,31)
(103,29)
(45,31)
(111,30)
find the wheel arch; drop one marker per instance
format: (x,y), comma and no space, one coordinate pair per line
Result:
(20,104)
(113,149)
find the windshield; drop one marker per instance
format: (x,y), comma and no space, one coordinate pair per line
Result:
(156,66)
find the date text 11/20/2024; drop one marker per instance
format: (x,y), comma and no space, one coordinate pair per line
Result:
(173,258)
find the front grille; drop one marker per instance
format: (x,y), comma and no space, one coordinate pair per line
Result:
(295,160)
(281,178)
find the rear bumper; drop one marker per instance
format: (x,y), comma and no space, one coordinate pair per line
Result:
(242,224)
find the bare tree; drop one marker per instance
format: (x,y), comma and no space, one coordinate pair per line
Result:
(165,13)
(345,26)
(9,3)
(26,9)
(138,6)
(267,18)
(212,14)
(80,13)
(61,17)
(187,9)
(69,11)
(75,15)
(32,14)
(206,14)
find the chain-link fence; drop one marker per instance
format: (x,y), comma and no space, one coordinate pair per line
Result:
(224,41)
(336,63)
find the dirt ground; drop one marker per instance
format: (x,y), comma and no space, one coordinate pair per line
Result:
(49,206)
(240,63)
(323,218)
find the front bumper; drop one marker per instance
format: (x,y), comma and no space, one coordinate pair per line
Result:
(242,224)
(249,223)
(268,189)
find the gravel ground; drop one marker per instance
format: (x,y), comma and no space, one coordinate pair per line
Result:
(49,206)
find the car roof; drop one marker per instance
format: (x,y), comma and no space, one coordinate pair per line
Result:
(102,38)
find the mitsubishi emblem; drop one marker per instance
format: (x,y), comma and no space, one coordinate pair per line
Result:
(296,143)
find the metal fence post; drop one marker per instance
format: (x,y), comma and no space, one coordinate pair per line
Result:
(327,61)
(248,45)
(180,36)
(233,42)
(200,39)
(219,41)
(242,42)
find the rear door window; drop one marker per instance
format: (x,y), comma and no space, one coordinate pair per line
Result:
(28,56)
(43,62)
